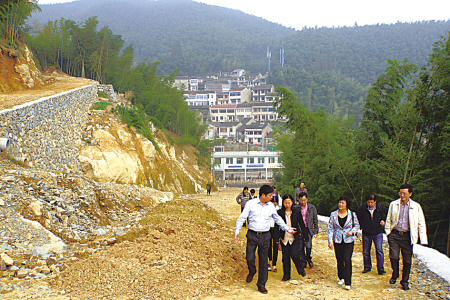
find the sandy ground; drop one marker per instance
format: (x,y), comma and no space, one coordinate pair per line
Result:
(320,281)
(54,85)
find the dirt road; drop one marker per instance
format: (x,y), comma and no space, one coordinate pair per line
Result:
(320,281)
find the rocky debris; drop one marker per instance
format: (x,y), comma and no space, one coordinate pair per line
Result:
(49,220)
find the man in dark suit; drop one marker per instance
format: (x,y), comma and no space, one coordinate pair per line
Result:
(309,215)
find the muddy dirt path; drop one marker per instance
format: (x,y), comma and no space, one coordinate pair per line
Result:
(320,281)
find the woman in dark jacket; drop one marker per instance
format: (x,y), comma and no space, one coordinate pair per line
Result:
(243,198)
(291,244)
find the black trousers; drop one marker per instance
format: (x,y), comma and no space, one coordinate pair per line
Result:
(292,252)
(400,242)
(344,252)
(273,246)
(262,242)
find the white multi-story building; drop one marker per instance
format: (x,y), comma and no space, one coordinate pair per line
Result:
(245,165)
(200,98)
(264,93)
(223,113)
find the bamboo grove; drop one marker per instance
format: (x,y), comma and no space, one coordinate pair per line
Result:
(403,137)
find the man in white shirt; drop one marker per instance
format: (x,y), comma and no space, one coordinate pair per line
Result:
(405,223)
(259,212)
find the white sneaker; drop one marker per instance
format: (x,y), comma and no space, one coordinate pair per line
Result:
(347,287)
(341,281)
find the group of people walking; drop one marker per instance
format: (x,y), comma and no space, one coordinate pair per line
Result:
(290,223)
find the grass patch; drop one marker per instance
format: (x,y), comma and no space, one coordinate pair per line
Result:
(102,94)
(101,105)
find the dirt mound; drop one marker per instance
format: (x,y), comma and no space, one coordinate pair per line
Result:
(51,71)
(181,250)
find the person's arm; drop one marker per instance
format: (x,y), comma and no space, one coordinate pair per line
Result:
(239,198)
(356,224)
(281,223)
(315,222)
(388,224)
(330,232)
(240,221)
(422,227)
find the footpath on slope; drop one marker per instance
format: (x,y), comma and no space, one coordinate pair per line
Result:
(184,249)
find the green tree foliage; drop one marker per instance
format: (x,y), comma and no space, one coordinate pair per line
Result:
(13,14)
(330,91)
(82,50)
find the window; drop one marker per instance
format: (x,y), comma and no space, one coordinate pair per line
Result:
(229,161)
(223,130)
(251,160)
(221,118)
(214,111)
(222,111)
(271,160)
(218,161)
(260,160)
(230,111)
(239,161)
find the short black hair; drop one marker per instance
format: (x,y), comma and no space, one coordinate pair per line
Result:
(407,186)
(371,197)
(274,187)
(252,191)
(245,188)
(265,190)
(287,196)
(346,199)
(303,194)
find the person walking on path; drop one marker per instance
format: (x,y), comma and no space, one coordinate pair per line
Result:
(405,224)
(371,217)
(259,212)
(208,188)
(298,191)
(291,244)
(342,228)
(309,216)
(274,240)
(276,197)
(243,198)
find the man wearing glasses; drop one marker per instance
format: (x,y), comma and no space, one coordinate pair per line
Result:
(405,223)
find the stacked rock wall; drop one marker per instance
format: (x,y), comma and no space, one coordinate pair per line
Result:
(46,133)
(108,89)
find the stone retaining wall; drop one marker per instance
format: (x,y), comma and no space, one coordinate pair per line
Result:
(46,133)
(108,89)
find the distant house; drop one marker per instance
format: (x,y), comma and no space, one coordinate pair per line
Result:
(223,113)
(200,98)
(225,129)
(223,98)
(264,93)
(181,81)
(253,133)
(238,76)
(260,111)
(218,85)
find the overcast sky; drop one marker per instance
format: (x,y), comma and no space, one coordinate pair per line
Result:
(300,13)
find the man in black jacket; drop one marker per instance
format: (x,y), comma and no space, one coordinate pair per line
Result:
(372,217)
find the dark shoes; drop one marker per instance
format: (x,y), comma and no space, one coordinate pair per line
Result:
(381,272)
(310,263)
(262,290)
(366,271)
(286,279)
(392,280)
(303,273)
(405,285)
(249,278)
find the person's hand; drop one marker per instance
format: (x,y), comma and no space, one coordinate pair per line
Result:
(292,230)
(350,233)
(279,246)
(382,223)
(236,239)
(316,235)
(330,245)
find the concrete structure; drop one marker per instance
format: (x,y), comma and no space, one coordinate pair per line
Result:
(245,165)
(264,93)
(223,113)
(200,98)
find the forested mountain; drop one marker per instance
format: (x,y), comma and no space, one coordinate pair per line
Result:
(195,37)
(198,38)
